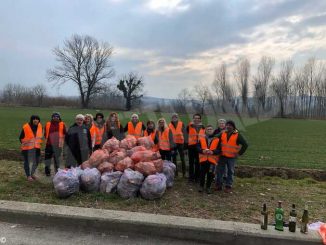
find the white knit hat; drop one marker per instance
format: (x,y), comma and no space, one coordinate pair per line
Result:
(134,115)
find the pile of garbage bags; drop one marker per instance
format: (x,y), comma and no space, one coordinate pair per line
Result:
(128,168)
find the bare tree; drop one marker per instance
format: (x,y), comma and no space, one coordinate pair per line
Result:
(282,84)
(39,92)
(221,87)
(131,86)
(241,76)
(182,100)
(201,97)
(85,62)
(261,81)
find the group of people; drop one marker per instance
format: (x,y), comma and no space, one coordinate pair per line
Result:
(211,153)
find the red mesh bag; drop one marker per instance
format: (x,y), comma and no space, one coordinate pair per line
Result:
(98,157)
(146,141)
(144,156)
(129,142)
(124,164)
(111,144)
(85,165)
(135,149)
(146,168)
(106,167)
(117,156)
(158,165)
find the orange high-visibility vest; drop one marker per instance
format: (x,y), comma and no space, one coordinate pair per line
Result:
(30,141)
(229,148)
(177,133)
(211,158)
(135,131)
(153,134)
(61,134)
(194,137)
(97,134)
(163,140)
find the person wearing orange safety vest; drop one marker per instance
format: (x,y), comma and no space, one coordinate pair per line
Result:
(195,131)
(151,131)
(135,127)
(180,137)
(31,140)
(208,157)
(232,145)
(166,143)
(54,134)
(97,131)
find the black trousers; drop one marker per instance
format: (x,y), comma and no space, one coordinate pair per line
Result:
(49,153)
(194,169)
(180,150)
(165,155)
(96,147)
(206,173)
(31,156)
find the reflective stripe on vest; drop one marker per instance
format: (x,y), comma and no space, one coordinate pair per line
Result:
(177,133)
(135,131)
(211,158)
(194,136)
(30,141)
(163,140)
(229,148)
(61,134)
(97,134)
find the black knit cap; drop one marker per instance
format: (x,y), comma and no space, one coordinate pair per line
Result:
(56,114)
(230,122)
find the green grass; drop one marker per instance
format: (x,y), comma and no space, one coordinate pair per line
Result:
(275,142)
(244,204)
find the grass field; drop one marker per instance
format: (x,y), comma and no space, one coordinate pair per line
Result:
(274,142)
(244,204)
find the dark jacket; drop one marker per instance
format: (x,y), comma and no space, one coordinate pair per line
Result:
(240,141)
(118,133)
(78,139)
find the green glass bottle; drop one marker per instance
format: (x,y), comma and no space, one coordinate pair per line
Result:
(264,217)
(292,219)
(304,220)
(279,214)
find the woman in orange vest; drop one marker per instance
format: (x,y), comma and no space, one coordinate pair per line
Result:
(208,157)
(88,120)
(166,143)
(151,131)
(54,134)
(114,128)
(31,140)
(232,145)
(195,131)
(180,139)
(97,131)
(135,127)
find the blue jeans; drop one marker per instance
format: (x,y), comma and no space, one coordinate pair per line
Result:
(223,163)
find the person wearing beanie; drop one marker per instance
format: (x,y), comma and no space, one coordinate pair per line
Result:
(195,131)
(232,145)
(180,139)
(97,131)
(78,143)
(54,134)
(113,128)
(31,140)
(135,127)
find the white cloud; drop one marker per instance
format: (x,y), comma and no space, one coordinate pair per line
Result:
(167,7)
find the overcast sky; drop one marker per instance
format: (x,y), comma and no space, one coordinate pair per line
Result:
(173,44)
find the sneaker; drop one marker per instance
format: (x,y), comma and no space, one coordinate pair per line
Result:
(30,179)
(201,189)
(228,190)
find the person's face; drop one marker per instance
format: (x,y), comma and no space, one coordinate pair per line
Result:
(221,125)
(150,125)
(35,121)
(113,118)
(79,121)
(174,118)
(161,124)
(55,118)
(229,128)
(196,120)
(209,130)
(87,120)
(134,119)
(99,119)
